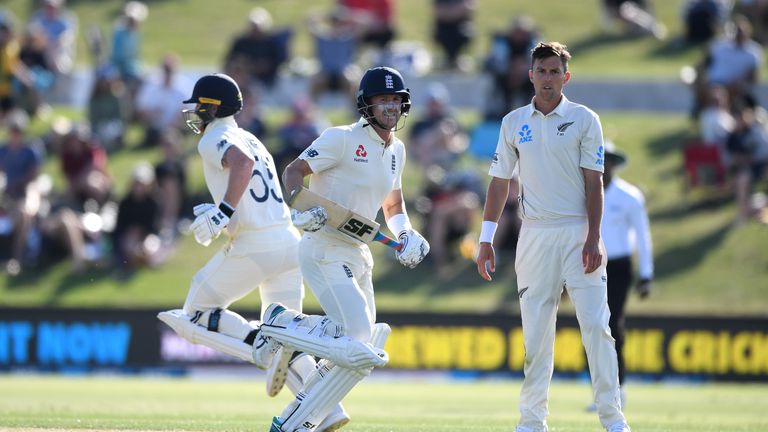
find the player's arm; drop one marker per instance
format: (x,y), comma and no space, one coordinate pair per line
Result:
(240,170)
(293,176)
(495,199)
(293,179)
(591,255)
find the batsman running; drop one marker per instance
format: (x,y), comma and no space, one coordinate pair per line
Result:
(261,252)
(358,166)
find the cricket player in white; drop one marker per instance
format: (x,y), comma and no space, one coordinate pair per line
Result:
(558,146)
(262,249)
(358,166)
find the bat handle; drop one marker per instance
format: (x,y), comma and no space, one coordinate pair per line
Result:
(388,241)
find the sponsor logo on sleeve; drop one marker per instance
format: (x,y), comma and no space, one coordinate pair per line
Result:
(600,156)
(310,152)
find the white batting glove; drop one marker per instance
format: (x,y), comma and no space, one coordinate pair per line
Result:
(208,224)
(415,248)
(310,220)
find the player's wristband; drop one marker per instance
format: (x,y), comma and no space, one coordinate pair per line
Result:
(226,209)
(487,231)
(399,223)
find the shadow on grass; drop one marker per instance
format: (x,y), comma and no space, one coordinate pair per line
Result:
(681,258)
(599,40)
(671,142)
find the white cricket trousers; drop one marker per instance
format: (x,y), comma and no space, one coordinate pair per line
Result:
(340,274)
(548,259)
(264,259)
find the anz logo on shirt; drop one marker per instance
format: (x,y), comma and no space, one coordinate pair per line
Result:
(600,156)
(526,134)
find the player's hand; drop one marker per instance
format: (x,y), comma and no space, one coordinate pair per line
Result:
(644,288)
(208,224)
(486,261)
(415,248)
(591,255)
(310,220)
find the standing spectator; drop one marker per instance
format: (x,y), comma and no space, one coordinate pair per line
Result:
(703,19)
(733,62)
(297,134)
(335,47)
(454,28)
(508,64)
(557,146)
(12,70)
(107,108)
(20,162)
(625,230)
(60,27)
(134,239)
(126,45)
(259,51)
(157,103)
(39,70)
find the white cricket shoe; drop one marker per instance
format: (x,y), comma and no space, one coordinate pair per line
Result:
(619,426)
(264,350)
(335,420)
(278,371)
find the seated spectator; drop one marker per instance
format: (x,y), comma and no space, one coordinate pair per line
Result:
(63,235)
(60,27)
(40,72)
(757,13)
(135,242)
(335,48)
(251,118)
(20,162)
(634,16)
(84,164)
(703,19)
(733,62)
(259,51)
(437,138)
(157,105)
(107,109)
(508,64)
(748,150)
(454,28)
(297,134)
(126,45)
(376,19)
(12,70)
(171,179)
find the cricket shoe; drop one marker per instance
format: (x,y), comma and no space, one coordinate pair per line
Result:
(264,350)
(278,370)
(334,421)
(619,426)
(277,423)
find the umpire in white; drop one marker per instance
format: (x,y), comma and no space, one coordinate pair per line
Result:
(625,230)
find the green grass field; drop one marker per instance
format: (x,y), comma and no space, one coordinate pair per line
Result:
(45,403)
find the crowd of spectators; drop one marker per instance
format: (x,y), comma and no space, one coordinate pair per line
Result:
(89,222)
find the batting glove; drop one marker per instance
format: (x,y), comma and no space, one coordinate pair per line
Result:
(415,248)
(208,224)
(310,220)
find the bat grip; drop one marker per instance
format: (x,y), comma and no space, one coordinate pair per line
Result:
(388,241)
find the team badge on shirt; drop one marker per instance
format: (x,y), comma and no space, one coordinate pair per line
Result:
(361,154)
(526,134)
(561,129)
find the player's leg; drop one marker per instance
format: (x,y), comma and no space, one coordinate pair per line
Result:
(588,292)
(539,288)
(325,389)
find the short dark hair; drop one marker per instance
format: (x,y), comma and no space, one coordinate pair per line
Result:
(551,49)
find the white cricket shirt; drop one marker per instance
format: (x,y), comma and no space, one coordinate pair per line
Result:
(262,205)
(352,167)
(550,150)
(625,225)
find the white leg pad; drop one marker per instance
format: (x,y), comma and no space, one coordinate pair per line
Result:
(321,337)
(326,388)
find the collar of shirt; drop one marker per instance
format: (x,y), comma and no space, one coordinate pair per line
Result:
(371,132)
(560,109)
(221,122)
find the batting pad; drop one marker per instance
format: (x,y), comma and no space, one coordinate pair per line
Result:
(197,334)
(325,388)
(319,336)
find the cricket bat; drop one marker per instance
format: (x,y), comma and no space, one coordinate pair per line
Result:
(341,218)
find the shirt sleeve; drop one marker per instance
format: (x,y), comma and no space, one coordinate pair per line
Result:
(641,226)
(592,151)
(212,149)
(326,151)
(505,158)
